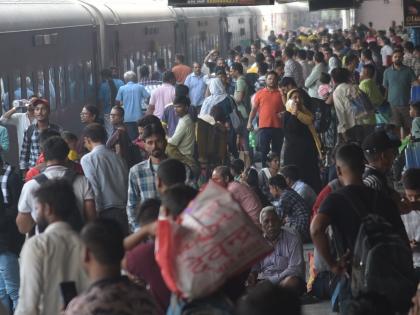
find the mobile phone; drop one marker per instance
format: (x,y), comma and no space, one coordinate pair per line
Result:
(68,291)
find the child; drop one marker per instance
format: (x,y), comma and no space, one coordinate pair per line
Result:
(415,114)
(71,140)
(324,90)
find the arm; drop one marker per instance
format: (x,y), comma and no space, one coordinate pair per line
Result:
(134,239)
(119,98)
(24,222)
(25,151)
(4,139)
(7,115)
(151,107)
(311,79)
(90,173)
(178,134)
(89,210)
(31,279)
(319,237)
(134,198)
(253,113)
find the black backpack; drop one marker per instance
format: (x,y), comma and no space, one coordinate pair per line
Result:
(69,176)
(382,262)
(322,114)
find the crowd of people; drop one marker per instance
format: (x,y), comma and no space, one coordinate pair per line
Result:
(311,132)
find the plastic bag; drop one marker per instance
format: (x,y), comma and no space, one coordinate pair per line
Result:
(212,240)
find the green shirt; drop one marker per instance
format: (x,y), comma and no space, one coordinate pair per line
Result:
(371,89)
(241,86)
(398,84)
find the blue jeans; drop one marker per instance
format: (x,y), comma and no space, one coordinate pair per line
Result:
(9,279)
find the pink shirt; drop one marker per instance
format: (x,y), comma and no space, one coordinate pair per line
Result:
(248,200)
(162,96)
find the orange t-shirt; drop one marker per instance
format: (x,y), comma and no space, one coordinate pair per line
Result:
(181,72)
(269,104)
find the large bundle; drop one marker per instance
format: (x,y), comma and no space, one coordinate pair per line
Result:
(212,240)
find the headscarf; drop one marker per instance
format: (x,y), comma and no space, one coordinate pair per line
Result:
(217,95)
(306,117)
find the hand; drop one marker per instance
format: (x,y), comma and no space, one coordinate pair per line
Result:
(252,279)
(280,115)
(414,244)
(415,309)
(294,109)
(249,127)
(340,266)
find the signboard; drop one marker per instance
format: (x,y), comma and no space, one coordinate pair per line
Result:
(315,5)
(412,13)
(216,3)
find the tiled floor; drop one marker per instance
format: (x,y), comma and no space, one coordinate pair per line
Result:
(322,308)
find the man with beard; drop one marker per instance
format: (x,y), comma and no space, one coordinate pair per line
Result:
(142,176)
(52,257)
(397,82)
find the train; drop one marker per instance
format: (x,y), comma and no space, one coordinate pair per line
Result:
(56,49)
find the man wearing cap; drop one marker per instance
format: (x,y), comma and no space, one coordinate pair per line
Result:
(380,151)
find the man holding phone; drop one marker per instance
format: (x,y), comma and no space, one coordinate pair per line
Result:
(52,257)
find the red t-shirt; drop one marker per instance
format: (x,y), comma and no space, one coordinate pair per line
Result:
(141,263)
(269,104)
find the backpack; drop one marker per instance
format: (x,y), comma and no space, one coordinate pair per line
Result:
(69,176)
(382,262)
(235,116)
(322,114)
(360,103)
(251,79)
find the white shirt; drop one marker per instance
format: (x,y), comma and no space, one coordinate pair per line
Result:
(412,226)
(386,51)
(345,115)
(81,186)
(22,122)
(47,260)
(184,136)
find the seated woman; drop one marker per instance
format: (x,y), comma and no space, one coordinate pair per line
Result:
(302,145)
(273,160)
(285,266)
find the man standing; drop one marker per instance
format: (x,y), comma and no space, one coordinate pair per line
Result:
(142,176)
(11,240)
(20,120)
(110,292)
(53,257)
(197,87)
(119,141)
(180,70)
(30,147)
(181,144)
(131,96)
(107,173)
(269,105)
(292,68)
(55,150)
(397,82)
(163,95)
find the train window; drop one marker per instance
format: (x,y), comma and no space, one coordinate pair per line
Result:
(62,85)
(242,31)
(75,83)
(29,86)
(40,91)
(4,94)
(90,84)
(51,88)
